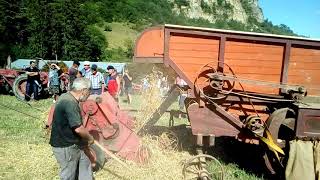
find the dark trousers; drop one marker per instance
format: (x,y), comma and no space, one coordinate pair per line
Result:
(31,87)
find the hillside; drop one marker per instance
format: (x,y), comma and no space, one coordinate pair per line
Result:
(212,10)
(105,30)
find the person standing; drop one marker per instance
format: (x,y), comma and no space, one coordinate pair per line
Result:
(183,93)
(69,138)
(127,79)
(33,80)
(97,80)
(73,72)
(54,81)
(113,82)
(86,69)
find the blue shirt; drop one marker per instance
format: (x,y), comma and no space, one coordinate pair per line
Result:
(54,77)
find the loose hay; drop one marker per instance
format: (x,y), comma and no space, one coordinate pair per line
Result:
(165,161)
(26,154)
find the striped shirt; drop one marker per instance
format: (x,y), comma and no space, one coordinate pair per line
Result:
(96,80)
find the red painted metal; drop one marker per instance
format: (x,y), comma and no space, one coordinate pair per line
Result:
(9,76)
(209,122)
(110,126)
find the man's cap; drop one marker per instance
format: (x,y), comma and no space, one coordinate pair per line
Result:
(94,67)
(86,63)
(32,62)
(76,62)
(110,67)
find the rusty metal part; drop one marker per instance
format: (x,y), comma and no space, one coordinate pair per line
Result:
(224,77)
(204,167)
(255,124)
(308,120)
(214,121)
(281,126)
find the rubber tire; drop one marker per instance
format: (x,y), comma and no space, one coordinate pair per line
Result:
(16,83)
(101,158)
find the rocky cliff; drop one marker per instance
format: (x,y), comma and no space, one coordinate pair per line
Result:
(211,10)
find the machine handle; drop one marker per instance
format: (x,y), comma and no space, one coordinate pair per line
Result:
(113,156)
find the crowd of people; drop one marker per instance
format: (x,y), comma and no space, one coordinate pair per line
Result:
(100,83)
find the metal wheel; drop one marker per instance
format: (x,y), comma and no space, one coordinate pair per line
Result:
(204,167)
(19,86)
(281,126)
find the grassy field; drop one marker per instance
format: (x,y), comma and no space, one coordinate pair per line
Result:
(26,154)
(120,33)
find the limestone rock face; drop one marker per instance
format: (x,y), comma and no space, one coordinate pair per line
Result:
(211,10)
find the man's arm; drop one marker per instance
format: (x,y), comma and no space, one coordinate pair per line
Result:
(129,77)
(102,83)
(84,134)
(32,73)
(118,82)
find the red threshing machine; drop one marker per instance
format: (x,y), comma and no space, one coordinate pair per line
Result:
(111,127)
(251,86)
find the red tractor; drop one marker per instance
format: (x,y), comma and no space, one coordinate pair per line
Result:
(14,82)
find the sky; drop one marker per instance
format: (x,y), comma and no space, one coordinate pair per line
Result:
(302,16)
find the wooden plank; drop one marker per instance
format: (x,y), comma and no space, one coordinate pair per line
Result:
(201,54)
(247,63)
(253,56)
(304,69)
(191,40)
(301,51)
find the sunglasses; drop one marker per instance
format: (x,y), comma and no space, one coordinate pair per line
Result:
(86,65)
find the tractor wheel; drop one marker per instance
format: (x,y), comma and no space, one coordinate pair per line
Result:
(281,126)
(19,86)
(99,157)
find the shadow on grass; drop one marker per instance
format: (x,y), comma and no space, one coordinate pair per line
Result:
(227,150)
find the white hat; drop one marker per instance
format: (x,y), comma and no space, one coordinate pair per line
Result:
(86,63)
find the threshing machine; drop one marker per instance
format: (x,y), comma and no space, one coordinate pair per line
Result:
(258,87)
(111,127)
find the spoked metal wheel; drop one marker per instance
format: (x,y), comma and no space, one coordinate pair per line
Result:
(203,167)
(281,126)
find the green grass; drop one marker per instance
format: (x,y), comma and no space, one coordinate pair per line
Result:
(26,154)
(120,34)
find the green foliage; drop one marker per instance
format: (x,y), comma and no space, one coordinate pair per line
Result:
(75,29)
(107,28)
(43,28)
(181,3)
(207,8)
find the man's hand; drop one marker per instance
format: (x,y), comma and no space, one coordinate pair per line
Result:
(83,133)
(91,140)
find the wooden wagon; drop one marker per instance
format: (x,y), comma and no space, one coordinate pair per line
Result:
(254,86)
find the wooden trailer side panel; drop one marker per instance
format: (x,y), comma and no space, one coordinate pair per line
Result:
(304,69)
(256,61)
(287,60)
(190,54)
(247,59)
(150,46)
